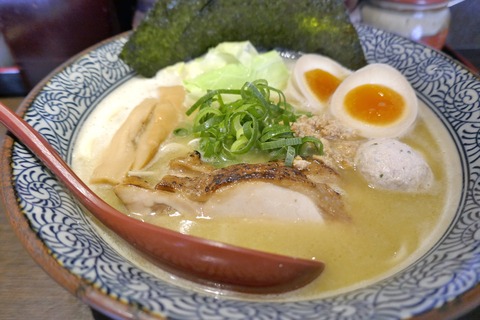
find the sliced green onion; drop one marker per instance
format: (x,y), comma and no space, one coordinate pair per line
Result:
(252,123)
(181,132)
(280,143)
(275,131)
(291,153)
(310,146)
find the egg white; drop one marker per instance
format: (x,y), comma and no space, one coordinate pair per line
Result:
(380,74)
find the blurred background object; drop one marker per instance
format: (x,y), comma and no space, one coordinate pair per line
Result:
(36,36)
(141,10)
(452,26)
(39,35)
(11,80)
(463,40)
(425,21)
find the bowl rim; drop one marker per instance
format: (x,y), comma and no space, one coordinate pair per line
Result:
(95,297)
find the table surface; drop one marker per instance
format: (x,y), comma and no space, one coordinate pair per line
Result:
(27,292)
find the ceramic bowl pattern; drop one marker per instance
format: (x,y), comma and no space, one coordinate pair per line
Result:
(62,102)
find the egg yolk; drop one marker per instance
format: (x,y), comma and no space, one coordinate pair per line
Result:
(374,104)
(322,83)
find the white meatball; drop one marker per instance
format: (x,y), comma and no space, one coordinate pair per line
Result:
(392,165)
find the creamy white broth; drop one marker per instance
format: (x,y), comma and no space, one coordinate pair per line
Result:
(388,229)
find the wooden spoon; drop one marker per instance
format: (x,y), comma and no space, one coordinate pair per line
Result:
(200,260)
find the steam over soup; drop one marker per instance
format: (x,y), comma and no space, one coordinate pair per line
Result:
(316,204)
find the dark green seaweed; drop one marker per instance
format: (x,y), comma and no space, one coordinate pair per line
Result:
(179,30)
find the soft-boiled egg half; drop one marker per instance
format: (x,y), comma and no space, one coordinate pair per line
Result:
(377,101)
(316,77)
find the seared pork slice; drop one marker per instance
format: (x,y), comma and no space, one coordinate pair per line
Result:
(263,190)
(252,199)
(191,165)
(142,200)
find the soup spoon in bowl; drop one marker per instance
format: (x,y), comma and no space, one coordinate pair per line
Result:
(204,261)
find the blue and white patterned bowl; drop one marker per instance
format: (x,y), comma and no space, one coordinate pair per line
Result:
(443,282)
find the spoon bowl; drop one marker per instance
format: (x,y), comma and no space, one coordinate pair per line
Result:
(200,260)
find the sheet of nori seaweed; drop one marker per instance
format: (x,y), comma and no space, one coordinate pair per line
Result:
(179,30)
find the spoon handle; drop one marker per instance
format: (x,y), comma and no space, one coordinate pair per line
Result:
(42,149)
(200,260)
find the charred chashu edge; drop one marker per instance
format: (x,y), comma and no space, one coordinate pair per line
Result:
(198,181)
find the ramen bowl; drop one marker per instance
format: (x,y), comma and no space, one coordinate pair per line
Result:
(441,282)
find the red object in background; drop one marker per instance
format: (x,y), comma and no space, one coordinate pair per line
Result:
(42,34)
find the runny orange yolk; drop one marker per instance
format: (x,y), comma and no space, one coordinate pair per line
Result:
(374,104)
(322,83)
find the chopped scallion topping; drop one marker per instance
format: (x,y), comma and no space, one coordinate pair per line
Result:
(255,122)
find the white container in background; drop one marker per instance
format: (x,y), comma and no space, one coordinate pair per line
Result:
(425,21)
